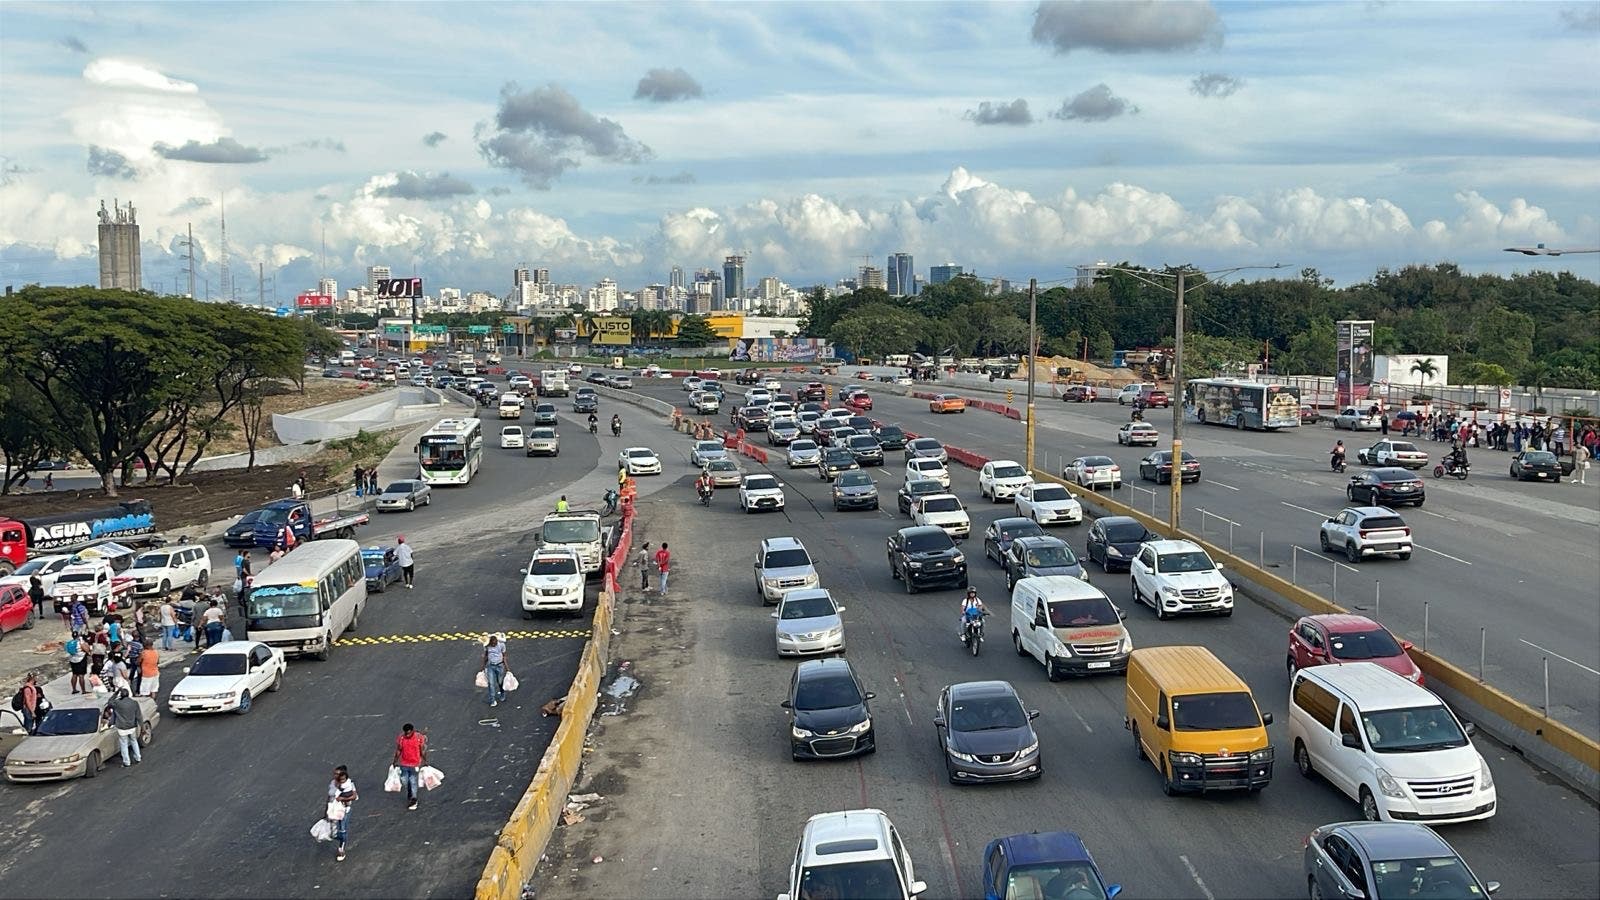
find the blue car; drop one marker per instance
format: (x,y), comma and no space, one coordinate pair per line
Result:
(382,567)
(1054,865)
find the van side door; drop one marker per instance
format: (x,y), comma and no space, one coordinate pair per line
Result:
(1349,764)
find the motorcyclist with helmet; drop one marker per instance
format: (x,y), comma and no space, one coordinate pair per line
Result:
(616,425)
(594,423)
(972,610)
(1336,456)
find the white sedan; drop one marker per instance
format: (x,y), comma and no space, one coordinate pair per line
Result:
(804,452)
(1093,471)
(705,451)
(1049,504)
(639,461)
(945,511)
(227,678)
(1132,433)
(512,438)
(1001,479)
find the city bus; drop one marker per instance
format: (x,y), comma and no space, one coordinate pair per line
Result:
(305,600)
(451,451)
(1242,404)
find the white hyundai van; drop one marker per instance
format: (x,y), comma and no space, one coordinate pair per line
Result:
(1070,626)
(1391,745)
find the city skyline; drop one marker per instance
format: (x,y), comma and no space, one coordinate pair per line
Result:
(1204,136)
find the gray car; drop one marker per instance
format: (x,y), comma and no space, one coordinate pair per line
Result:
(923,447)
(809,622)
(855,490)
(1387,859)
(782,431)
(783,565)
(705,451)
(1028,557)
(405,495)
(74,741)
(986,733)
(543,442)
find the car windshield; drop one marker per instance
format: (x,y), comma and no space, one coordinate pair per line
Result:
(923,486)
(282,601)
(373,556)
(1393,475)
(1058,881)
(722,465)
(1082,613)
(839,455)
(542,433)
(1437,878)
(78,720)
(802,445)
(570,531)
(37,565)
(71,577)
(219,664)
(553,565)
(1049,493)
(986,714)
(1412,730)
(1052,555)
(709,447)
(828,692)
(640,454)
(924,541)
(807,608)
(854,479)
(926,465)
(890,431)
(1375,522)
(761,483)
(1538,456)
(924,444)
(874,879)
(783,424)
(791,558)
(941,504)
(1353,645)
(1009,472)
(400,487)
(1184,561)
(1125,533)
(152,561)
(1098,461)
(863,442)
(1214,712)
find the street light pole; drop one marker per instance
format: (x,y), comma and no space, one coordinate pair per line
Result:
(1033,356)
(1175,515)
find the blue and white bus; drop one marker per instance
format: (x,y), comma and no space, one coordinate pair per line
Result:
(304,601)
(451,451)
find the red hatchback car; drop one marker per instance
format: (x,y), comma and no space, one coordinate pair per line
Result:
(16,609)
(1321,640)
(858,399)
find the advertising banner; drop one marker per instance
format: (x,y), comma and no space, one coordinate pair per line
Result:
(314,301)
(399,288)
(787,350)
(612,330)
(1353,378)
(565,335)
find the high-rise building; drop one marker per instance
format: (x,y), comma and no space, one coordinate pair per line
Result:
(327,287)
(675,279)
(605,295)
(541,276)
(733,282)
(376,274)
(519,275)
(943,274)
(771,289)
(1087,274)
(707,294)
(120,268)
(902,277)
(871,277)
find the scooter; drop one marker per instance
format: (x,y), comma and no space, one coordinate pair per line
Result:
(705,496)
(1451,469)
(1336,462)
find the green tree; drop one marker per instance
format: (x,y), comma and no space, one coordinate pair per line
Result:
(1205,356)
(1477,372)
(1424,331)
(1503,337)
(695,331)
(877,330)
(27,435)
(1312,351)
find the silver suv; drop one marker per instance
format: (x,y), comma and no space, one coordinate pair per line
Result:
(783,565)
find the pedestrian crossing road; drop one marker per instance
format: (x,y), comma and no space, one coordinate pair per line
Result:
(374,640)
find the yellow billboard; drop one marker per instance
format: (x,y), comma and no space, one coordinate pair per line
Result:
(726,325)
(612,330)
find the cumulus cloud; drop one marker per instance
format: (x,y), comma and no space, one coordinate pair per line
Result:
(222,151)
(418,186)
(121,73)
(666,86)
(1000,112)
(1097,104)
(11,171)
(434,138)
(71,42)
(110,163)
(320,144)
(1215,84)
(544,132)
(1131,26)
(192,204)
(499,191)
(1582,18)
(680,178)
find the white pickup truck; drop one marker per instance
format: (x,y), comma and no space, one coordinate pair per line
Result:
(553,383)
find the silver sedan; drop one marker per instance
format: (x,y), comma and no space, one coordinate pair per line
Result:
(405,495)
(809,622)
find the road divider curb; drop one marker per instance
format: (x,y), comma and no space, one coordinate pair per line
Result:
(1531,734)
(532,822)
(966,457)
(756,453)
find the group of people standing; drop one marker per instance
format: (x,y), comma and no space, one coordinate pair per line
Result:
(366,481)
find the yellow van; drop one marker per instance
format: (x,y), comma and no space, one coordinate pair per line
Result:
(1196,722)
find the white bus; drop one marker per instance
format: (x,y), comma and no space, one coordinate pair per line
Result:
(451,451)
(1242,404)
(305,600)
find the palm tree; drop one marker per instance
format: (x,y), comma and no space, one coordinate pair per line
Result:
(1426,369)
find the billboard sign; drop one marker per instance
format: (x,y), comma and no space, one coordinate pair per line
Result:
(314,301)
(399,288)
(1353,366)
(788,350)
(565,335)
(612,330)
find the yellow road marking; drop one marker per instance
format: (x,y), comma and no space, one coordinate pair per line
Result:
(366,641)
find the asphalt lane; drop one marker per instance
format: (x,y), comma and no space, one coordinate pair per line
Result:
(700,798)
(1515,560)
(222,805)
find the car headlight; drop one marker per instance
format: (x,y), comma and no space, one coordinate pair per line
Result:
(1184,759)
(1127,645)
(65,760)
(1083,573)
(959,559)
(1170,591)
(1262,755)
(835,631)
(177,698)
(1112,551)
(861,726)
(1388,785)
(784,638)
(1485,777)
(800,734)
(226,696)
(1030,750)
(957,754)
(915,564)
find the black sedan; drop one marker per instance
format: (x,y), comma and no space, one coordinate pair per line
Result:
(998,536)
(597,378)
(926,556)
(891,437)
(1536,465)
(834,461)
(1387,486)
(243,532)
(1114,541)
(919,487)
(1157,467)
(986,734)
(829,715)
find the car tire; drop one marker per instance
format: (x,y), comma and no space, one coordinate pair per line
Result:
(1051,673)
(1138,747)
(244,704)
(1352,553)
(1016,642)
(1302,759)
(91,767)
(166,587)
(1369,806)
(277,682)
(911,587)
(1322,538)
(1167,785)
(1405,556)
(202,578)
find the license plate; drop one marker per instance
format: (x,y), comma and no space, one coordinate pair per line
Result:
(1544,474)
(1099,665)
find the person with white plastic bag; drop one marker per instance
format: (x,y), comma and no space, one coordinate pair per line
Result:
(494,667)
(410,754)
(430,778)
(341,793)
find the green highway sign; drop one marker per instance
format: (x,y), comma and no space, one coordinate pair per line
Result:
(508,328)
(394,329)
(429,329)
(477,329)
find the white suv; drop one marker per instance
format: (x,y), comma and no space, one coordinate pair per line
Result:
(1362,531)
(1001,479)
(783,565)
(1176,577)
(1388,744)
(944,511)
(512,438)
(553,580)
(157,572)
(856,853)
(759,492)
(927,467)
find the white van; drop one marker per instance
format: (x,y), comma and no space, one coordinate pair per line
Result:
(510,405)
(347,357)
(157,572)
(1070,626)
(304,601)
(1391,745)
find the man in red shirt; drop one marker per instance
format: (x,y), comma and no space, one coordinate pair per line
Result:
(663,563)
(410,754)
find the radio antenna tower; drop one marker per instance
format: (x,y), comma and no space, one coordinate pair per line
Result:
(227,283)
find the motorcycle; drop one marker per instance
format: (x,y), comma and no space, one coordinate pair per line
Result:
(1449,467)
(1138,416)
(1336,461)
(594,427)
(616,429)
(705,496)
(972,633)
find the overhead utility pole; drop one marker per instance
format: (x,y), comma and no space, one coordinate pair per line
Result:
(1033,360)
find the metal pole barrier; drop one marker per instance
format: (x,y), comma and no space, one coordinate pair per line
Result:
(1202,511)
(1294,565)
(1230,538)
(1335,597)
(1261,552)
(1377,600)
(1424,626)
(1483,646)
(1547,687)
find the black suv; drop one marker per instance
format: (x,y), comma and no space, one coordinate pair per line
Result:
(925,556)
(813,391)
(890,437)
(582,403)
(866,450)
(828,712)
(753,418)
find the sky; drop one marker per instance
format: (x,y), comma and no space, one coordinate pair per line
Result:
(457,141)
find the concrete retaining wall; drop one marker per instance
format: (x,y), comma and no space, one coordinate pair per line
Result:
(373,412)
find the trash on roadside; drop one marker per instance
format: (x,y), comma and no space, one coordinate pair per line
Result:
(599,859)
(554,707)
(583,798)
(569,817)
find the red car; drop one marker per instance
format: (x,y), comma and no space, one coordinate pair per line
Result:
(858,400)
(16,609)
(1080,393)
(812,391)
(1155,397)
(1320,640)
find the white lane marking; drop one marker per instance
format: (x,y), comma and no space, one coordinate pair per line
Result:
(1445,555)
(904,703)
(1205,891)
(1221,485)
(1559,656)
(1429,512)
(1303,509)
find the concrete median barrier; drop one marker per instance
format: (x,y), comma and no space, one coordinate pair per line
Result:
(1547,742)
